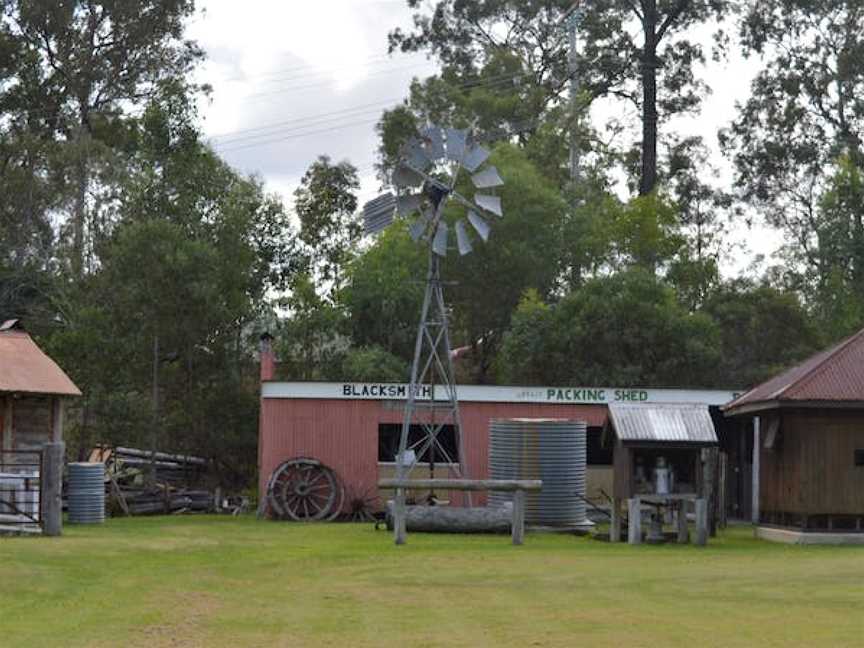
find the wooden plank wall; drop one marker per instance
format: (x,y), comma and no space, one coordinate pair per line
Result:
(812,471)
(32,422)
(623,468)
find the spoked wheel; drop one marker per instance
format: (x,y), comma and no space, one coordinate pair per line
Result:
(305,490)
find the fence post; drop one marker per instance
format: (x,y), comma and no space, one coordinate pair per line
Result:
(51,481)
(701,521)
(634,521)
(399,516)
(518,517)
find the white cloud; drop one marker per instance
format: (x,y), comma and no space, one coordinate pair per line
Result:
(296,79)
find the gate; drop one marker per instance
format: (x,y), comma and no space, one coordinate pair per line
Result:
(21,489)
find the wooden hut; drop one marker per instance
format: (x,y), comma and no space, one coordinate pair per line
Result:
(659,458)
(32,393)
(809,448)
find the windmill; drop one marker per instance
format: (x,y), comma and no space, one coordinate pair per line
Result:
(425,180)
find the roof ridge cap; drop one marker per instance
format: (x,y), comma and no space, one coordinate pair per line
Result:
(819,369)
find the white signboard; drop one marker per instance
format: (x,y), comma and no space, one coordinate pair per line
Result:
(490,394)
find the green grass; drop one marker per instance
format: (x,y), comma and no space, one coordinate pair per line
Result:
(220,581)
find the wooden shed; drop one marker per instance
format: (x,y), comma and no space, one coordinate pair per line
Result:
(809,447)
(660,456)
(32,393)
(643,434)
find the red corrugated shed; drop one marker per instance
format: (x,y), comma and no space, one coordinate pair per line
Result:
(832,376)
(25,369)
(343,434)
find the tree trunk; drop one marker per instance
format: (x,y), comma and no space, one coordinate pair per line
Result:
(455,519)
(648,69)
(79,209)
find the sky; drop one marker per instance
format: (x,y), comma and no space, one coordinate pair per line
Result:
(294,80)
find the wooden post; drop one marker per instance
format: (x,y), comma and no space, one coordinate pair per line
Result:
(710,493)
(723,489)
(701,522)
(518,517)
(615,525)
(51,481)
(6,436)
(57,420)
(634,523)
(756,452)
(399,517)
(683,533)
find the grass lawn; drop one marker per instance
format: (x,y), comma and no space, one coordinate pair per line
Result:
(221,581)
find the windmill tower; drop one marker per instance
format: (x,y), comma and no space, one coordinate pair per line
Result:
(425,181)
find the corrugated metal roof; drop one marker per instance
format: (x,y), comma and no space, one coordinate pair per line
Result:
(25,368)
(663,422)
(834,375)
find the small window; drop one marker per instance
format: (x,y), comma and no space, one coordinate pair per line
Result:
(859,457)
(388,443)
(598,453)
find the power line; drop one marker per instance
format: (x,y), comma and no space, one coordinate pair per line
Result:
(313,71)
(330,82)
(298,135)
(302,123)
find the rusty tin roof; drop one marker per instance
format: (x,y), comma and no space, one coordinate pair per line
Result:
(833,377)
(24,367)
(672,423)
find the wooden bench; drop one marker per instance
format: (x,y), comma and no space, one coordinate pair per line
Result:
(517,486)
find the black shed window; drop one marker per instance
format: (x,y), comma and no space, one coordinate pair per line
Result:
(388,443)
(598,454)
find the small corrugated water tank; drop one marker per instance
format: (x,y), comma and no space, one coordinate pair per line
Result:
(86,493)
(553,450)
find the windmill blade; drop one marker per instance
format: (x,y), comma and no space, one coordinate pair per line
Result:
(480,226)
(475,156)
(405,177)
(407,204)
(419,226)
(462,240)
(434,138)
(415,156)
(378,213)
(489,203)
(487,178)
(439,243)
(456,139)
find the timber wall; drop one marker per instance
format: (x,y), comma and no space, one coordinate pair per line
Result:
(812,470)
(31,423)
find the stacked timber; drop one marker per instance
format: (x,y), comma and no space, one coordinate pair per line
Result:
(142,482)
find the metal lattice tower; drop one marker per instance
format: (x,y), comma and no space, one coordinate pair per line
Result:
(433,164)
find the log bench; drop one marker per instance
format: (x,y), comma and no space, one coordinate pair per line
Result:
(517,486)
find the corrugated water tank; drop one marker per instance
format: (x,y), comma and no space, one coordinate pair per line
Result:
(553,450)
(86,493)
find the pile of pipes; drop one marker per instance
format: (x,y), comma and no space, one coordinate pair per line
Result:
(141,482)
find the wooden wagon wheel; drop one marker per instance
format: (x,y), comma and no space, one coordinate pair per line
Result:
(305,490)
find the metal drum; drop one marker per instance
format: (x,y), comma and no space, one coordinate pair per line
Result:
(86,493)
(553,450)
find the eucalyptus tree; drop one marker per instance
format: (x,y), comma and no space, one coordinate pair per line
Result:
(505,62)
(82,64)
(326,205)
(797,140)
